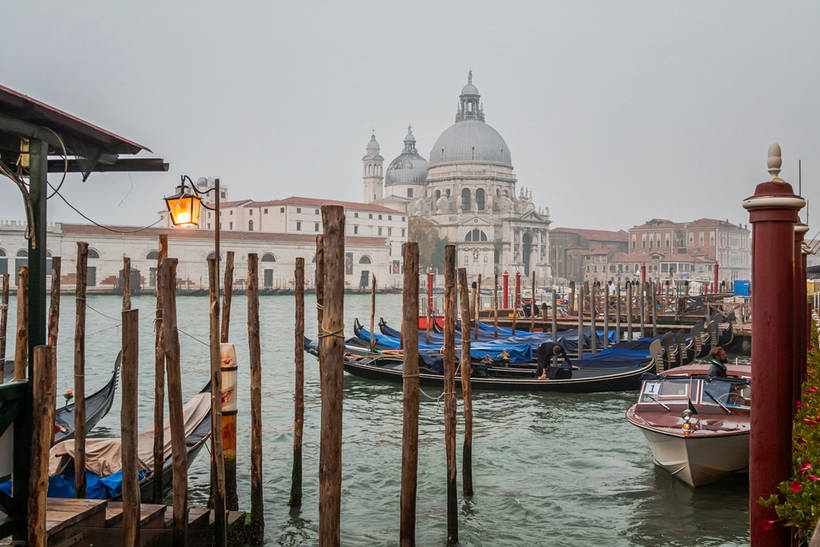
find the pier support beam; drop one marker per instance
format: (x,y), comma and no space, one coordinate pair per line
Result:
(773,213)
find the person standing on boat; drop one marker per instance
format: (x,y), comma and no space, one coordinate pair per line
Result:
(719,360)
(546,351)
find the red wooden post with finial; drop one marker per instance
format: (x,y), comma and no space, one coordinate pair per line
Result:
(506,288)
(773,213)
(800,341)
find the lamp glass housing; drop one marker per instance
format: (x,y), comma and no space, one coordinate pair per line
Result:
(184,209)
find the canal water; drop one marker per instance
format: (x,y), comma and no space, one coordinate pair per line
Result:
(549,469)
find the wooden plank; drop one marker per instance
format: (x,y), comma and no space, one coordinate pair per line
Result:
(450,389)
(79,371)
(129,426)
(410,398)
(44,399)
(62,513)
(170,339)
(159,379)
(332,380)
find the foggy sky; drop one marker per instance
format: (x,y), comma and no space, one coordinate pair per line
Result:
(614,112)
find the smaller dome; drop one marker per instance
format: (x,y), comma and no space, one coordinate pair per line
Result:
(409,167)
(469,89)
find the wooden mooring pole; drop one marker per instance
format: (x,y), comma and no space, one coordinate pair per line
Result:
(618,312)
(21,336)
(654,303)
(4,320)
(44,400)
(372,311)
(495,306)
(450,389)
(159,379)
(54,307)
(320,294)
(170,340)
(410,396)
(217,447)
(332,351)
(477,307)
(466,369)
(643,307)
(255,356)
(605,298)
(126,283)
(299,379)
(629,311)
(554,317)
(580,321)
(79,371)
(128,424)
(229,417)
(532,304)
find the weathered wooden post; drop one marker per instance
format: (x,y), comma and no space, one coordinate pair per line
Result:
(605,297)
(224,331)
(372,312)
(495,306)
(505,288)
(332,348)
(450,389)
(410,395)
(54,308)
(653,302)
(642,308)
(299,377)
(629,311)
(126,283)
(477,306)
(580,322)
(554,318)
(515,299)
(128,424)
(668,300)
(320,293)
(159,379)
(217,432)
(79,372)
(44,394)
(571,297)
(170,340)
(466,370)
(532,304)
(800,343)
(255,358)
(593,330)
(430,314)
(773,213)
(618,312)
(4,320)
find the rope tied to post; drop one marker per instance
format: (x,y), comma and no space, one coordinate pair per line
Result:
(338,333)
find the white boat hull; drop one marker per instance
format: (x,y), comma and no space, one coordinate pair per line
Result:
(699,460)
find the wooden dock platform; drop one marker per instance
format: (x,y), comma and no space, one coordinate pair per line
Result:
(72,522)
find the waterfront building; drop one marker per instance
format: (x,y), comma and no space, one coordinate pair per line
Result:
(365,255)
(570,248)
(466,193)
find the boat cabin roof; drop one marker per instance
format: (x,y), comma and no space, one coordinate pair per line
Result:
(737,370)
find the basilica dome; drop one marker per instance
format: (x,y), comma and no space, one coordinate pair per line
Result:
(409,167)
(470,139)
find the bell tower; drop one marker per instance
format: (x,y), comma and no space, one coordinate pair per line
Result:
(372,175)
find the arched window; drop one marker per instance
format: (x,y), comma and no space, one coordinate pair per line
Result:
(250,226)
(479,199)
(475,235)
(465,199)
(22,252)
(268,257)
(438,194)
(364,260)
(93,253)
(153,255)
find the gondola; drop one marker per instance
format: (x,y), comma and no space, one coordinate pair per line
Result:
(609,370)
(97,404)
(108,484)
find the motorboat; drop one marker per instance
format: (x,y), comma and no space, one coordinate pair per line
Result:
(696,425)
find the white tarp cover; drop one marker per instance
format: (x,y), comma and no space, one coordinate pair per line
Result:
(104,456)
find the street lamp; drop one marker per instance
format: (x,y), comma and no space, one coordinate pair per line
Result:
(184,207)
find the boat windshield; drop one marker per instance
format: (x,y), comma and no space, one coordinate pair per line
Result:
(729,392)
(668,390)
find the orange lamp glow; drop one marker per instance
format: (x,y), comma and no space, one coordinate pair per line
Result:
(184,208)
